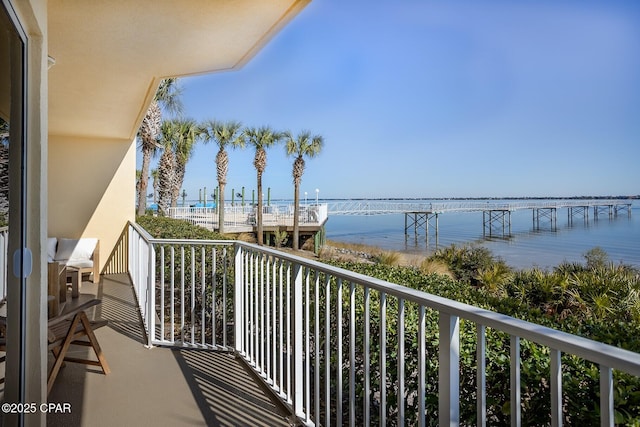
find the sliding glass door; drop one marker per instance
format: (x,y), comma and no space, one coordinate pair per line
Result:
(13,187)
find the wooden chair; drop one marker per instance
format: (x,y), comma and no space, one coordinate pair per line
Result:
(67,329)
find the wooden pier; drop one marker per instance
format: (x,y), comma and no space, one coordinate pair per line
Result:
(496,217)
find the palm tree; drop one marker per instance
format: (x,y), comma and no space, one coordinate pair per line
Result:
(303,146)
(167,96)
(178,139)
(261,139)
(223,134)
(166,168)
(186,135)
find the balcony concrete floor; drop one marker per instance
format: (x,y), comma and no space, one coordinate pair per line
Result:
(158,386)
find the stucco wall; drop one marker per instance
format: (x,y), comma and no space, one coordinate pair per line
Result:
(91,188)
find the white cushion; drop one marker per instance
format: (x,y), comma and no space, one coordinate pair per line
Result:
(75,249)
(85,263)
(52,242)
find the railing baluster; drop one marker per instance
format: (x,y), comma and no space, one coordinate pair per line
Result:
(281,350)
(316,339)
(327,351)
(260,274)
(481,374)
(192,314)
(182,294)
(296,336)
(173,293)
(240,297)
(288,382)
(225,309)
(274,317)
(307,354)
(203,299)
(367,357)
(422,350)
(606,397)
(400,359)
(150,294)
(267,320)
(214,271)
(352,354)
(251,307)
(247,303)
(556,388)
(339,353)
(449,374)
(161,308)
(383,358)
(515,380)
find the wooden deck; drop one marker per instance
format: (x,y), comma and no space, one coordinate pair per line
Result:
(158,386)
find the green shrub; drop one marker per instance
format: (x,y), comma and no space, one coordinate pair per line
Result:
(169,228)
(466,262)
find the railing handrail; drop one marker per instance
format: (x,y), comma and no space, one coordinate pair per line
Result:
(594,351)
(390,207)
(143,233)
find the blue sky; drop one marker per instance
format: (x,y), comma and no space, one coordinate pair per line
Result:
(439,99)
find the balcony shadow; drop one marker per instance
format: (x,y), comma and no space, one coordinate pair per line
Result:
(227,391)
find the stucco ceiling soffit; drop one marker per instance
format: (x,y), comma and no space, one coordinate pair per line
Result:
(111,54)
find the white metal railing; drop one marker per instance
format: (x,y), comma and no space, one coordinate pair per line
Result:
(244,217)
(381,207)
(343,348)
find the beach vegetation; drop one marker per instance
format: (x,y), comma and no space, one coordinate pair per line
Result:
(280,238)
(168,228)
(434,266)
(467,261)
(387,258)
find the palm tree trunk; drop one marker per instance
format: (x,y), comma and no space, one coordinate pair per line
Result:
(221,185)
(296,214)
(259,211)
(143,183)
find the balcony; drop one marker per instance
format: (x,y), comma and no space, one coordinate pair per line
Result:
(241,334)
(156,386)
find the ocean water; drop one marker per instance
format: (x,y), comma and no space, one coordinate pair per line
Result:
(526,247)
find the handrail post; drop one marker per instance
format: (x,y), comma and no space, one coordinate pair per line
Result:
(606,397)
(449,375)
(151,296)
(298,361)
(238,306)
